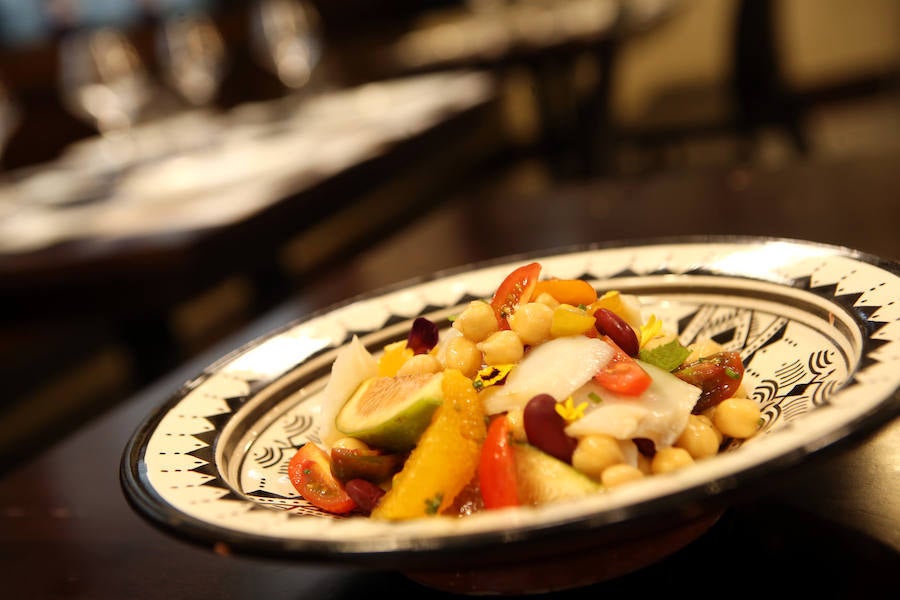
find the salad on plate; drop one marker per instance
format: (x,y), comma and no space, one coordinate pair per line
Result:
(545,391)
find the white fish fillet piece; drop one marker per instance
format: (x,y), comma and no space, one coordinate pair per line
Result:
(661,413)
(352,365)
(557,367)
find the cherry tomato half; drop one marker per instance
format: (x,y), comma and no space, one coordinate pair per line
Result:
(310,474)
(497,467)
(718,376)
(517,288)
(622,374)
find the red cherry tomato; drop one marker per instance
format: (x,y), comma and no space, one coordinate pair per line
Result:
(718,376)
(517,288)
(622,374)
(310,474)
(497,467)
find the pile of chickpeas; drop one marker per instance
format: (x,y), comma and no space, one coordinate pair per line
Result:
(477,342)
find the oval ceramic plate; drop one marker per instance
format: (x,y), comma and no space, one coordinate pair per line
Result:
(818,328)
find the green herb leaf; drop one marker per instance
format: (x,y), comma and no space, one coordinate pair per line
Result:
(667,356)
(595,398)
(433,504)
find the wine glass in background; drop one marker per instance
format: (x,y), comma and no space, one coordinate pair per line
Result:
(286,38)
(192,57)
(104,81)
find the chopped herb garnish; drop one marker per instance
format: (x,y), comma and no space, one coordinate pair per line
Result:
(732,373)
(433,504)
(595,397)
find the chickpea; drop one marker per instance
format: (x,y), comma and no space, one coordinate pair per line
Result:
(547,300)
(461,353)
(350,443)
(477,321)
(531,322)
(616,475)
(737,417)
(706,417)
(644,464)
(629,451)
(594,453)
(670,459)
(420,364)
(516,423)
(699,438)
(502,348)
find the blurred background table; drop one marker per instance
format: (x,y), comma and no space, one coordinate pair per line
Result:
(98,248)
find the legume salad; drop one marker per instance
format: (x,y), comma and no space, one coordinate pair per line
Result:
(548,390)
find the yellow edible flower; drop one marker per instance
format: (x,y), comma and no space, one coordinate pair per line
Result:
(568,411)
(491,375)
(650,329)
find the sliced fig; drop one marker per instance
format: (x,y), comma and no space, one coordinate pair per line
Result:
(391,413)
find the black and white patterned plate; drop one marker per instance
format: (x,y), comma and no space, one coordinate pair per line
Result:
(818,328)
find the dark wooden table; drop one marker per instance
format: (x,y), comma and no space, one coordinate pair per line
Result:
(830,529)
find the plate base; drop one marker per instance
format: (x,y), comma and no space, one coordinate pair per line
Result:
(567,571)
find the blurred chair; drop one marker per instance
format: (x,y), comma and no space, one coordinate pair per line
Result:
(720,79)
(762,96)
(738,80)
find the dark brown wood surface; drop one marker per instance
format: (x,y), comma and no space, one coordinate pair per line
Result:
(830,529)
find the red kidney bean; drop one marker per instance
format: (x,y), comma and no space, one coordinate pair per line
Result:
(365,493)
(545,428)
(611,324)
(423,336)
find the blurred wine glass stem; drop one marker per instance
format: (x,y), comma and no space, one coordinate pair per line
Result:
(192,52)
(287,39)
(104,82)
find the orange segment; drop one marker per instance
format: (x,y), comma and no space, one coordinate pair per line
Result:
(392,359)
(445,459)
(567,291)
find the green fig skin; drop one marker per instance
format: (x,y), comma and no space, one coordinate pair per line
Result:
(391,413)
